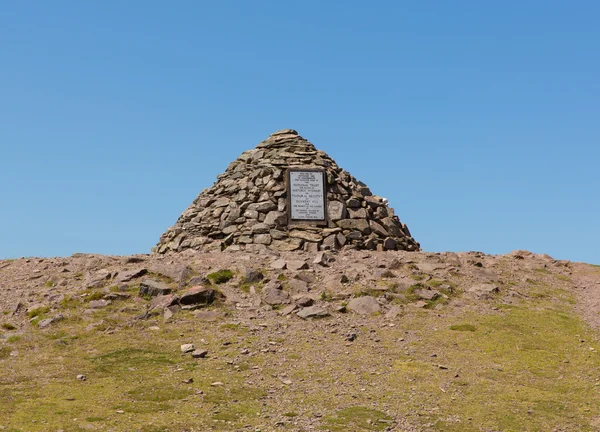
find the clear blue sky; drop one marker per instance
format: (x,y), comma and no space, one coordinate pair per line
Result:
(479,121)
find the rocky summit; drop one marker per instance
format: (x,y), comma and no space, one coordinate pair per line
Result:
(286,195)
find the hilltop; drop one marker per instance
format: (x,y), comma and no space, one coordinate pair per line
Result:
(335,340)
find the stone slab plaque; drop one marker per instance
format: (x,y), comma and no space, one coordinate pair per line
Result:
(306,195)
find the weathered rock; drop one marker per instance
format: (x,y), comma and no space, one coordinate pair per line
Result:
(323,258)
(297,286)
(131,274)
(47,321)
(313,312)
(200,296)
(305,235)
(336,210)
(273,295)
(365,305)
(427,294)
(99,304)
(152,288)
(187,348)
(199,353)
(296,265)
(484,290)
(253,275)
(278,264)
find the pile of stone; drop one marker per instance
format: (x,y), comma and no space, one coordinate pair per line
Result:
(247,208)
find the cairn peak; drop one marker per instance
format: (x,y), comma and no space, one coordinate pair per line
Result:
(285,132)
(287,195)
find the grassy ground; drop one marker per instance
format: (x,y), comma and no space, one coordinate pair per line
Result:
(527,366)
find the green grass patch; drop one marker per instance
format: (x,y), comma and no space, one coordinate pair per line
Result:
(38,312)
(220,277)
(358,418)
(127,358)
(9,326)
(463,327)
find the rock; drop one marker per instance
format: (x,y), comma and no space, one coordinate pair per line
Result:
(276,218)
(355,224)
(263,239)
(297,286)
(46,322)
(304,301)
(130,275)
(296,265)
(279,264)
(359,213)
(323,258)
(200,296)
(484,290)
(199,353)
(390,244)
(365,305)
(273,295)
(420,304)
(260,228)
(288,309)
(253,275)
(187,348)
(164,301)
(378,229)
(152,288)
(427,294)
(306,235)
(313,312)
(393,312)
(287,245)
(98,304)
(336,210)
(395,264)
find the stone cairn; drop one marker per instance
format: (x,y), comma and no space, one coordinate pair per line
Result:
(248,207)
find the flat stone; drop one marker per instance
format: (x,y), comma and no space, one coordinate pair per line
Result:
(273,295)
(378,229)
(130,275)
(276,218)
(288,245)
(484,290)
(99,304)
(163,301)
(360,213)
(153,288)
(313,312)
(278,264)
(260,228)
(355,224)
(263,239)
(393,312)
(288,309)
(305,235)
(296,265)
(427,294)
(336,210)
(297,286)
(365,305)
(199,353)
